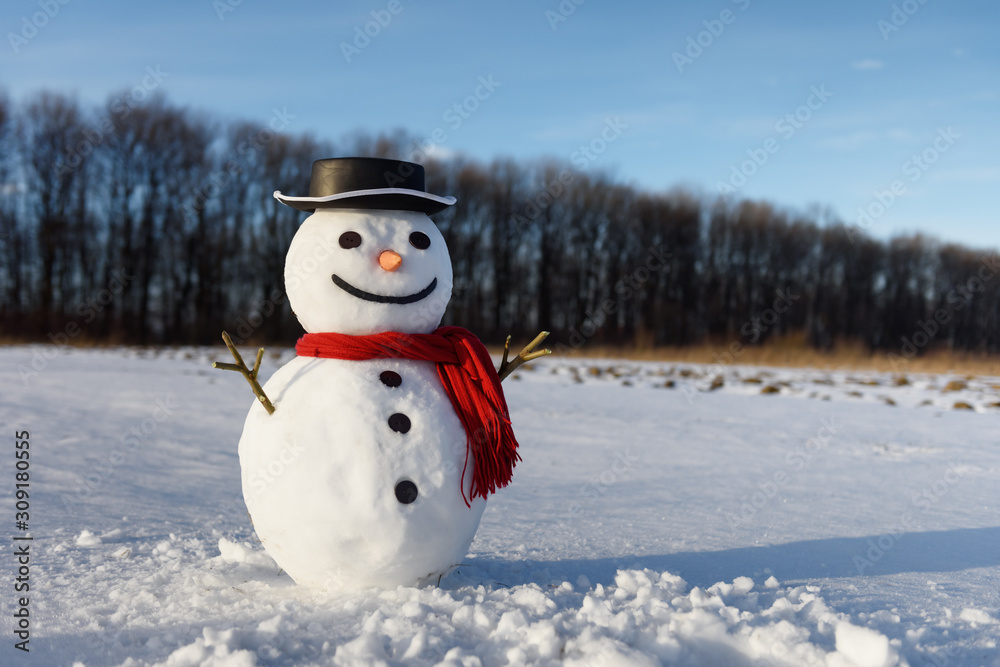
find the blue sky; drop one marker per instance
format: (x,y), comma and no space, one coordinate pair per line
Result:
(800,103)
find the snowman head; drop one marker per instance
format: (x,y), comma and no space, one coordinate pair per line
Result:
(358,271)
(369,259)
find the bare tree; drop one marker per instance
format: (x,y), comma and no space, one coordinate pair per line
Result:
(174,210)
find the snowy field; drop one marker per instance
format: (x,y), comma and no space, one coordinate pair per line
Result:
(663,514)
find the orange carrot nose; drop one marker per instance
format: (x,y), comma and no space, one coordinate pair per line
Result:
(389,260)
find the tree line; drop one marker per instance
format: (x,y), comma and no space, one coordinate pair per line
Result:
(150,223)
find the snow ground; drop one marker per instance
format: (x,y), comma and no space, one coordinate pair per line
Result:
(841,519)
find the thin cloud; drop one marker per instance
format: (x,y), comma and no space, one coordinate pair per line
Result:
(848,142)
(867,64)
(970,175)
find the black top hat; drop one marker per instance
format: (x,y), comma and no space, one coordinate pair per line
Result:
(367,182)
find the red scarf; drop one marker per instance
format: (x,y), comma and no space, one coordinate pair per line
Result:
(467,374)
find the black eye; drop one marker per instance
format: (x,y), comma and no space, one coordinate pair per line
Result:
(350,240)
(420,241)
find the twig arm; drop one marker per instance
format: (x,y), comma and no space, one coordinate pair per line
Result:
(256,364)
(527,354)
(250,375)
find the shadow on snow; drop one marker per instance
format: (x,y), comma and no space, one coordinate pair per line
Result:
(932,551)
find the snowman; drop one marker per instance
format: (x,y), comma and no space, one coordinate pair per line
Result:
(368,458)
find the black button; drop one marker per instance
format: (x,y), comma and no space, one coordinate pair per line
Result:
(399,423)
(406,492)
(390,378)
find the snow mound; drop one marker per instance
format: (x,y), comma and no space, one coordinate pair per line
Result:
(213,649)
(233,552)
(863,647)
(87,539)
(645,618)
(978,616)
(237,610)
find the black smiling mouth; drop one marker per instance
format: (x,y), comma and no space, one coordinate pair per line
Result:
(379,298)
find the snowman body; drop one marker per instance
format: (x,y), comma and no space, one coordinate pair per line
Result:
(360,476)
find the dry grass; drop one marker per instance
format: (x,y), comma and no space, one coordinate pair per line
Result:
(788,351)
(793,352)
(82,342)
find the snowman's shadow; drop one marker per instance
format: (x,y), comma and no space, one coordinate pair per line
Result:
(791,563)
(300,373)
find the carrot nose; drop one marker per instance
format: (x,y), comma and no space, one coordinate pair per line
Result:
(389,260)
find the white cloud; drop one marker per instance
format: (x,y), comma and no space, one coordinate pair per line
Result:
(439,152)
(984,96)
(969,175)
(848,142)
(867,64)
(903,136)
